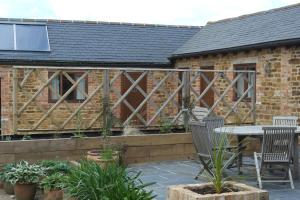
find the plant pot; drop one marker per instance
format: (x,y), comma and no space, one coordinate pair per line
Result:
(95,155)
(54,195)
(237,191)
(1,184)
(25,191)
(8,188)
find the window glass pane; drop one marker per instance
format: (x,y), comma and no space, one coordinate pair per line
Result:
(66,85)
(80,87)
(32,37)
(6,37)
(250,83)
(55,87)
(240,86)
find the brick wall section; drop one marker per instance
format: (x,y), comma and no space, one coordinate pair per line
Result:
(277,93)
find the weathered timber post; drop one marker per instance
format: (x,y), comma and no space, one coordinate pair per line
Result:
(186,98)
(14,98)
(106,105)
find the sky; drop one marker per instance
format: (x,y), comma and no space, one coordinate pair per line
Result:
(173,12)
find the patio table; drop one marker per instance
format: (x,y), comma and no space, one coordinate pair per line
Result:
(241,132)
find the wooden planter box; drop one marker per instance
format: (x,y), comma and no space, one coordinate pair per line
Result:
(137,149)
(182,192)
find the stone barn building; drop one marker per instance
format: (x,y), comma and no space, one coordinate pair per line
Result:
(56,76)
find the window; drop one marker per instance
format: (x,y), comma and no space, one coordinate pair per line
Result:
(61,84)
(246,80)
(24,37)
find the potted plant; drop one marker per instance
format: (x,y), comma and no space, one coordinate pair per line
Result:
(25,178)
(53,186)
(7,185)
(218,187)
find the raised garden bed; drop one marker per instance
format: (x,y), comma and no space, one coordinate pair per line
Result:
(205,191)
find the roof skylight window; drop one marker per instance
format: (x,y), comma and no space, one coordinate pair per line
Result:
(24,37)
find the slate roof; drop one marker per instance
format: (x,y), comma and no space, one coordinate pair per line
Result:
(95,43)
(273,27)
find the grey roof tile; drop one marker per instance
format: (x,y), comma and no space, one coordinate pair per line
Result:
(102,42)
(262,27)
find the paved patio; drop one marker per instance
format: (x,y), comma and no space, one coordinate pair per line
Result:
(182,172)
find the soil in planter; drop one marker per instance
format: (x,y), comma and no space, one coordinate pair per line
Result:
(211,190)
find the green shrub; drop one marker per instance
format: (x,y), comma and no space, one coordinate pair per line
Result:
(53,182)
(25,173)
(107,154)
(4,173)
(165,126)
(54,166)
(90,182)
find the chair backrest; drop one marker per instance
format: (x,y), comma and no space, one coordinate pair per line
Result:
(211,124)
(277,144)
(285,120)
(198,112)
(201,139)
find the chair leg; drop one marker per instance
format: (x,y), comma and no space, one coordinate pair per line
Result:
(257,171)
(291,179)
(199,173)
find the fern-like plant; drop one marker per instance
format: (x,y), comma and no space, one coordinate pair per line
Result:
(219,163)
(90,182)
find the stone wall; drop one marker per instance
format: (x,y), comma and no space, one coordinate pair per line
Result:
(277,93)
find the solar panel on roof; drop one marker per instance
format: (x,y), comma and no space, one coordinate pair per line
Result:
(31,37)
(6,37)
(24,37)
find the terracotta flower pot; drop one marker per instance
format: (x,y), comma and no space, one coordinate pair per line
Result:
(8,188)
(95,155)
(54,195)
(25,191)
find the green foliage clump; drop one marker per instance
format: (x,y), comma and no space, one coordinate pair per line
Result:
(165,126)
(90,182)
(4,173)
(54,166)
(53,182)
(107,154)
(25,173)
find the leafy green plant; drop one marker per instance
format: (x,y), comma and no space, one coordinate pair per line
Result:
(165,126)
(53,182)
(4,173)
(90,182)
(25,173)
(107,153)
(219,164)
(55,166)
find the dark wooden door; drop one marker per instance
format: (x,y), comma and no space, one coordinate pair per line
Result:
(208,98)
(134,98)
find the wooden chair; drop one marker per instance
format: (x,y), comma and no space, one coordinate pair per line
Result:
(216,122)
(285,120)
(212,123)
(204,146)
(275,154)
(197,115)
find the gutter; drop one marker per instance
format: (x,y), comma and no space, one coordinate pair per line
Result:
(83,63)
(272,44)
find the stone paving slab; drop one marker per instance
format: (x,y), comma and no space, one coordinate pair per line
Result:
(168,173)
